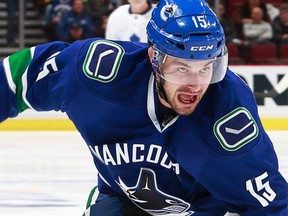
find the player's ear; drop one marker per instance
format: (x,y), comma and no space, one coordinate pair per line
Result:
(150,53)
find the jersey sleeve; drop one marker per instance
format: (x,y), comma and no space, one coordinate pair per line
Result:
(250,184)
(34,79)
(242,167)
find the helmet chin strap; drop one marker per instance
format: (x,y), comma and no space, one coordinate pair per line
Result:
(158,57)
(160,86)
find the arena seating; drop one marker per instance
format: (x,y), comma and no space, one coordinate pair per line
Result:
(263,54)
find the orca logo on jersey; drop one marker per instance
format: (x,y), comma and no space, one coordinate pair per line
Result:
(102,60)
(148,197)
(236,129)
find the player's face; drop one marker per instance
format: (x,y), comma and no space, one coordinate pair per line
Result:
(137,3)
(183,99)
(184,82)
(186,72)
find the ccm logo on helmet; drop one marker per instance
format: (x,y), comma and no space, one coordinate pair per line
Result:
(201,48)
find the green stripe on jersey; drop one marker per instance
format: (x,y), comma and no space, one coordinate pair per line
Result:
(19,63)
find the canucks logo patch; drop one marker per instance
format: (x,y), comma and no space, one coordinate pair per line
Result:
(103,60)
(236,129)
(148,197)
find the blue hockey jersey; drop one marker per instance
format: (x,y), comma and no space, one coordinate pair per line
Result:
(218,159)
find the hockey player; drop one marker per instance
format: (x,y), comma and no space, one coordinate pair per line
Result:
(184,139)
(128,21)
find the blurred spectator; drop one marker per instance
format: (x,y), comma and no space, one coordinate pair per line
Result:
(272,11)
(257,30)
(54,11)
(227,23)
(118,3)
(75,24)
(246,10)
(280,26)
(76,32)
(99,10)
(41,6)
(128,22)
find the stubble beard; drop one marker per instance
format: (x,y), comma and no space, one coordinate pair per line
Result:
(171,99)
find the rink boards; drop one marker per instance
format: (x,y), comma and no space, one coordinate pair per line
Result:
(42,124)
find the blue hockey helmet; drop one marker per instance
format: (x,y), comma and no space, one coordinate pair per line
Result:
(187,29)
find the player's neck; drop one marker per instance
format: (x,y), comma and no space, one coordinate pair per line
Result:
(163,102)
(165,113)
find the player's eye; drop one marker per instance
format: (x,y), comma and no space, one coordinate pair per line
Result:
(205,70)
(182,70)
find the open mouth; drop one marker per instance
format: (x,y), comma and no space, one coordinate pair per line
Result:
(187,99)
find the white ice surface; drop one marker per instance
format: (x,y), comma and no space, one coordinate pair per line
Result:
(44,173)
